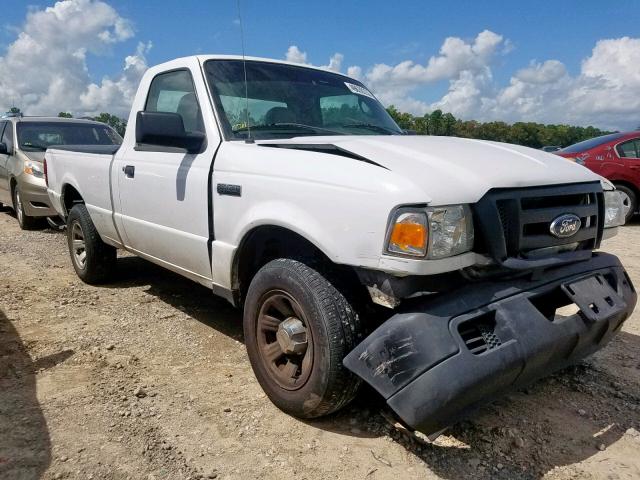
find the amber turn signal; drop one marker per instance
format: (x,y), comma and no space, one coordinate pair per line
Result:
(409,234)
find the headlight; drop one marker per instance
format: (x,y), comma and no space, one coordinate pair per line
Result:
(614,213)
(434,232)
(32,168)
(450,230)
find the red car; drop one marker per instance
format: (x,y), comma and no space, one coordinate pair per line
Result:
(615,157)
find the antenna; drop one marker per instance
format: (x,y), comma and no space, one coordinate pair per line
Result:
(244,67)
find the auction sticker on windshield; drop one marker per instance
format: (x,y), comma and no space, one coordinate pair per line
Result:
(359,90)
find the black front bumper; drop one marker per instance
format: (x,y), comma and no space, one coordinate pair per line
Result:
(438,358)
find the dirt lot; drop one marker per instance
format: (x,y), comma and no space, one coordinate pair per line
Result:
(148,378)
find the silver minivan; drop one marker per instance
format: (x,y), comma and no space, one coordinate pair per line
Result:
(23,142)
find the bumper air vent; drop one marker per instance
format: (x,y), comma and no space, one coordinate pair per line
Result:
(478,334)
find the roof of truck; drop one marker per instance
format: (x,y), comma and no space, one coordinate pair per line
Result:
(204,58)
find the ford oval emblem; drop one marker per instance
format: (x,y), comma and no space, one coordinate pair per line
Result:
(565,225)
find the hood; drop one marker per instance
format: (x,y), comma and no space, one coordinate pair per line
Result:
(455,170)
(34,156)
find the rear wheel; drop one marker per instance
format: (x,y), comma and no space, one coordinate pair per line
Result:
(25,221)
(298,327)
(629,200)
(93,260)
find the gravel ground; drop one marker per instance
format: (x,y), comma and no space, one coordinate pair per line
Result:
(147,378)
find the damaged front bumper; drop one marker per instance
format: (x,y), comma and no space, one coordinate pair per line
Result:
(438,358)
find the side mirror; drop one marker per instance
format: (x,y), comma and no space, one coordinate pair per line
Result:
(167,130)
(3,149)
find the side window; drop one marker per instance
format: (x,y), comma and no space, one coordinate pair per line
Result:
(7,136)
(630,149)
(174,92)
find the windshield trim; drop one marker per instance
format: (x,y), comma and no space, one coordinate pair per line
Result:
(225,127)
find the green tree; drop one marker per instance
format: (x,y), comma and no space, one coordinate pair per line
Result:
(530,134)
(14,110)
(436,123)
(65,115)
(117,123)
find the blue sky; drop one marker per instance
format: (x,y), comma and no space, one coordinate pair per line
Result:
(365,33)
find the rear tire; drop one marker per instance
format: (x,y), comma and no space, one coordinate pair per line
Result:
(93,260)
(24,221)
(313,382)
(630,200)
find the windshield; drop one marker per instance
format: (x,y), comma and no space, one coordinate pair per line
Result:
(591,143)
(287,101)
(38,136)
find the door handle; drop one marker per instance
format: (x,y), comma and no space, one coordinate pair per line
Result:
(129,171)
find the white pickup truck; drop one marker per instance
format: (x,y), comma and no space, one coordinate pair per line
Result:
(441,271)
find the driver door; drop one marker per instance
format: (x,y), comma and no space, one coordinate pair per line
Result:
(164,191)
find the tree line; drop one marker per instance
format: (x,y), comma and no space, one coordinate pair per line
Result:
(529,134)
(117,123)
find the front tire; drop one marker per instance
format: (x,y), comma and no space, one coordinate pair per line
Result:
(93,260)
(298,327)
(24,221)
(630,200)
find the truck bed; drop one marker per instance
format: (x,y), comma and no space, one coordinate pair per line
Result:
(86,169)
(98,149)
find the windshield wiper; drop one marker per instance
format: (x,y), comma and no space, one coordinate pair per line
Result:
(285,126)
(371,126)
(34,146)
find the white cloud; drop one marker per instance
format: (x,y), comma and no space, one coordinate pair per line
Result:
(605,92)
(464,63)
(44,70)
(295,55)
(335,62)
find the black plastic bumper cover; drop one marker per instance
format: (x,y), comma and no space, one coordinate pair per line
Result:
(438,358)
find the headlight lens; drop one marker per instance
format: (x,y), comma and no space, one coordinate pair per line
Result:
(408,235)
(450,230)
(434,232)
(614,213)
(32,168)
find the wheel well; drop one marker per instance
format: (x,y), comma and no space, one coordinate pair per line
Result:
(12,186)
(70,197)
(628,185)
(266,243)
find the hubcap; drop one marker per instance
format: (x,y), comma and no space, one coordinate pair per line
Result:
(626,202)
(284,340)
(19,212)
(292,336)
(78,246)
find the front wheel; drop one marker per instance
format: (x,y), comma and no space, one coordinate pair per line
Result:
(629,200)
(25,221)
(298,327)
(92,259)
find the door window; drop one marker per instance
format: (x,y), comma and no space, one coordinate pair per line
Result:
(630,149)
(174,92)
(7,136)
